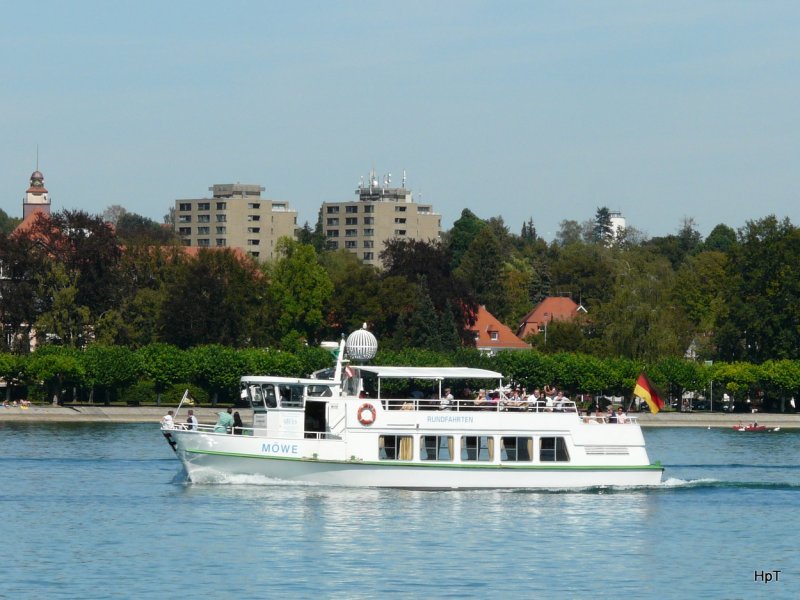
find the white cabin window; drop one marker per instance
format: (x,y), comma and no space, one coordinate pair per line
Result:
(516,449)
(553,449)
(436,447)
(395,447)
(477,447)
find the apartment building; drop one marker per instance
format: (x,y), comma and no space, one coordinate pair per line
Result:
(236,216)
(380,213)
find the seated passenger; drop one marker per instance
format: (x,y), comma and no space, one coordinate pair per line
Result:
(621,416)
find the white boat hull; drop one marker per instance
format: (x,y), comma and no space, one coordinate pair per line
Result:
(215,457)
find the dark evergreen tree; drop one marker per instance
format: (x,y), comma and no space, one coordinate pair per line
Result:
(603,230)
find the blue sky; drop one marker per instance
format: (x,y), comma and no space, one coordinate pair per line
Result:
(542,110)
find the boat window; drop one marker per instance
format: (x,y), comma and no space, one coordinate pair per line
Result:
(553,449)
(516,449)
(436,447)
(477,447)
(395,447)
(291,396)
(260,397)
(319,391)
(268,393)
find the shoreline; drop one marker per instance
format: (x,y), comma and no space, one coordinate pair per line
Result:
(207,414)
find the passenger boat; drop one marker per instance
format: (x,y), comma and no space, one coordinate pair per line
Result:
(330,432)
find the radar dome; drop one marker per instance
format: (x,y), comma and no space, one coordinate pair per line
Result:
(362,345)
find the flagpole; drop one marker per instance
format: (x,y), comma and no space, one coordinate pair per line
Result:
(181,402)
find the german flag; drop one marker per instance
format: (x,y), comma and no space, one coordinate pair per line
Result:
(645,389)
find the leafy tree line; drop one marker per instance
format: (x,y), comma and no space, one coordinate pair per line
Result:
(74,279)
(104,374)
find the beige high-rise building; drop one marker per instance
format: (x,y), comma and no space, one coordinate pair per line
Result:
(380,213)
(236,216)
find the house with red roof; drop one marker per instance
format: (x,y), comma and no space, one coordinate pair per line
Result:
(492,336)
(552,308)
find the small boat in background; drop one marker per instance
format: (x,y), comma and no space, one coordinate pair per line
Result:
(753,427)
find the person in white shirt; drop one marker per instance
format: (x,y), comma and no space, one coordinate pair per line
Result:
(167,421)
(191,421)
(446,400)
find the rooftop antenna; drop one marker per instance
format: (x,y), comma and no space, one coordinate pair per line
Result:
(404,179)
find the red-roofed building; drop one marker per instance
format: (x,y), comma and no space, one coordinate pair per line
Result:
(552,308)
(492,336)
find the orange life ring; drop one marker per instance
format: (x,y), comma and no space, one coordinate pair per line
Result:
(367,414)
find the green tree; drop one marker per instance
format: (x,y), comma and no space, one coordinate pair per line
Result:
(8,224)
(12,370)
(603,230)
(215,298)
(64,321)
(217,369)
(465,230)
(57,367)
(583,271)
(133,229)
(20,304)
(109,368)
(164,365)
(356,296)
(761,315)
(429,262)
(640,321)
(570,232)
(722,238)
(481,269)
(313,237)
(88,252)
(299,290)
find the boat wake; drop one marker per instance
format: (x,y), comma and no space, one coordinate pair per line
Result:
(217,478)
(675,484)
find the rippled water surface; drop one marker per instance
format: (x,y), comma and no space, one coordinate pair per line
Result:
(103,511)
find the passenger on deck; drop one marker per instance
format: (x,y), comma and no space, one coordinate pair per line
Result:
(516,400)
(481,399)
(621,416)
(191,421)
(612,417)
(224,421)
(446,401)
(238,426)
(167,421)
(534,399)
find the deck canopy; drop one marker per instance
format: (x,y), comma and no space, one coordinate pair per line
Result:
(429,372)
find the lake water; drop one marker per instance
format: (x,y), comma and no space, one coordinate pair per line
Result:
(103,511)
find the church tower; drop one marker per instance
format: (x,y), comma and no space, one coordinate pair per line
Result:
(36,198)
